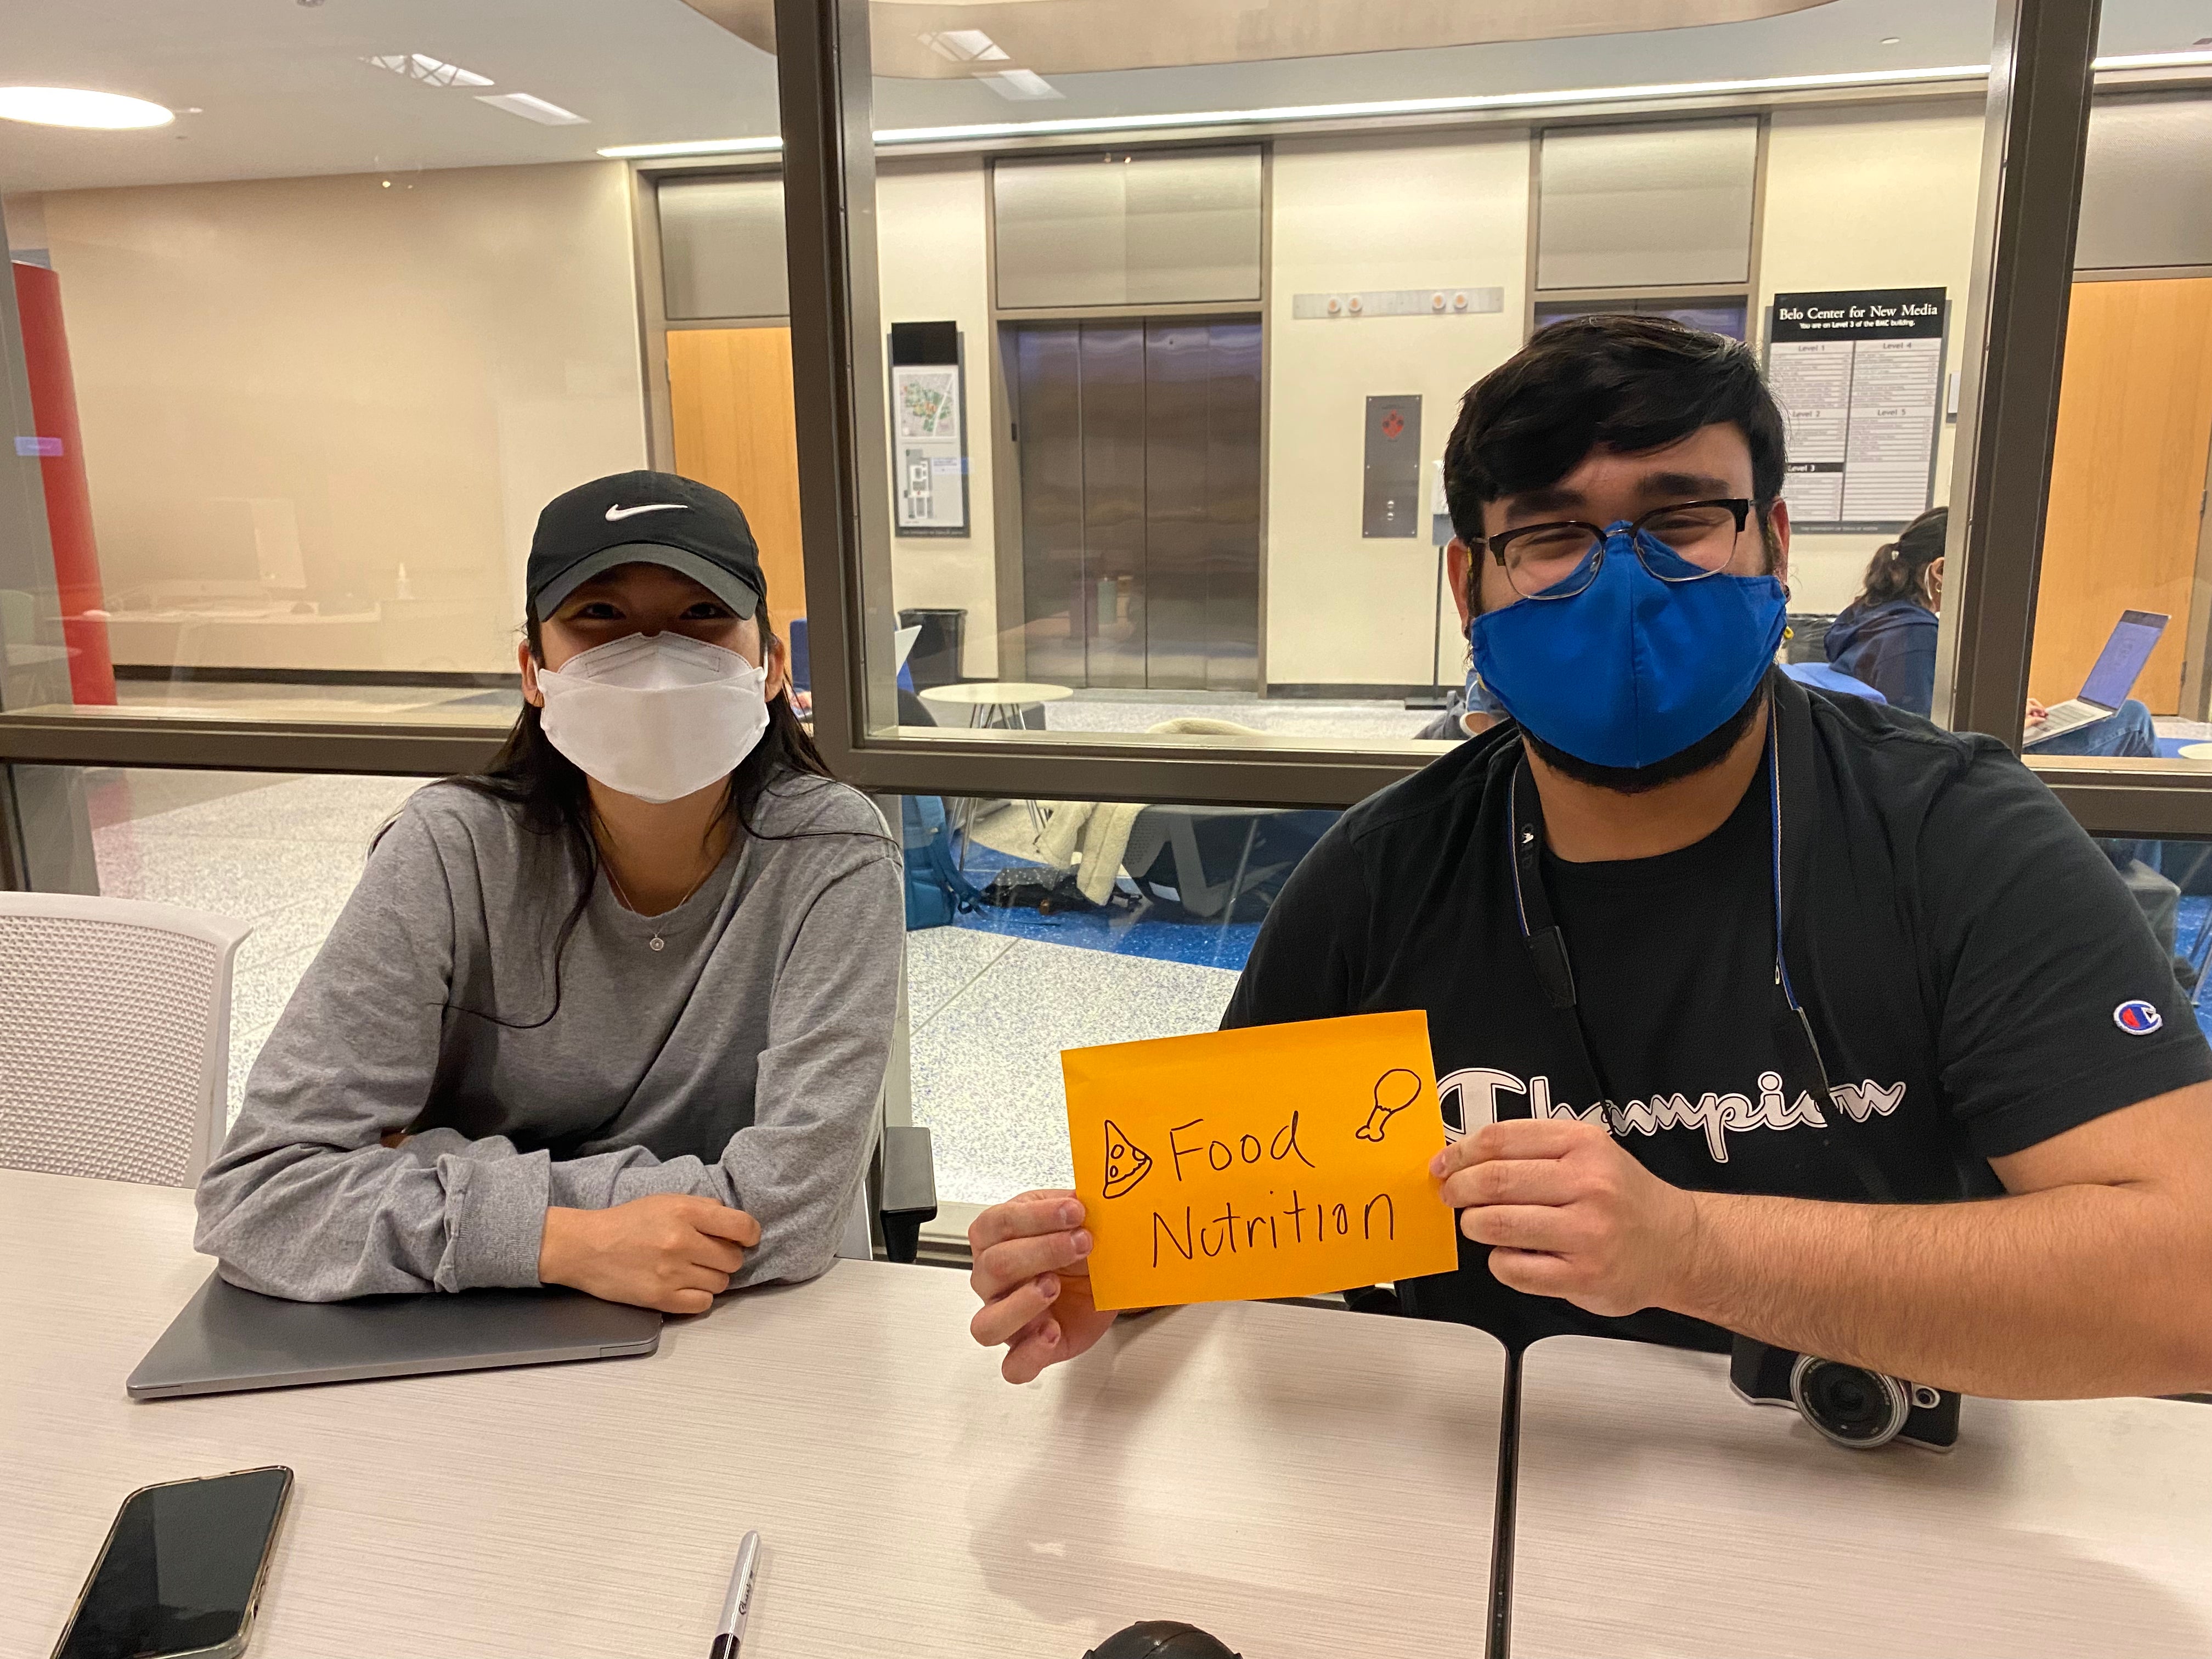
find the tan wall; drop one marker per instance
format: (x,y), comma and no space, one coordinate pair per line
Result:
(1375,214)
(415,370)
(404,374)
(1857,198)
(931,253)
(1879,197)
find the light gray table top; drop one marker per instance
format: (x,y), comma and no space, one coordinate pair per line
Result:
(1660,1514)
(1301,1482)
(997,694)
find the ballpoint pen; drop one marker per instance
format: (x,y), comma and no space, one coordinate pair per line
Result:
(730,1633)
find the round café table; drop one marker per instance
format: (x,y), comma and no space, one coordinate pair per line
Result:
(994,703)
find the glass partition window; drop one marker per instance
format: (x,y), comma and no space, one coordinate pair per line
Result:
(305,359)
(1088,922)
(2124,612)
(1211,511)
(279,851)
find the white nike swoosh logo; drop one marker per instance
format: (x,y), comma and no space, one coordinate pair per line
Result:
(615,513)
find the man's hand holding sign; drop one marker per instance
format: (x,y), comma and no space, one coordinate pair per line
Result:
(1276,1161)
(1569,1213)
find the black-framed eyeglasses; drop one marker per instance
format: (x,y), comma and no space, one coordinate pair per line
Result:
(1558,560)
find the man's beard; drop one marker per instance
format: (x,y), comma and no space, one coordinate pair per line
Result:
(1706,752)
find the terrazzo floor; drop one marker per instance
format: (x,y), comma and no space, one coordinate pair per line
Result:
(989,1011)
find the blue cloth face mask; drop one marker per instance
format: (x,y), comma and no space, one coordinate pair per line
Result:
(1633,668)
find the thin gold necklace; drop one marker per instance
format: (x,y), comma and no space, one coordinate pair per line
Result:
(656,943)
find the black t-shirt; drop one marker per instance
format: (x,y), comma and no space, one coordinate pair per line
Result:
(1961,949)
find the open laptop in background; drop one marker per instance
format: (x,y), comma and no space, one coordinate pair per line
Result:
(2118,665)
(228,1338)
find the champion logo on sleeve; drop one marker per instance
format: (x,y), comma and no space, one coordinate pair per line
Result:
(2137,1017)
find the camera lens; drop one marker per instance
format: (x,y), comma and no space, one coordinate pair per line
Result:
(1851,1405)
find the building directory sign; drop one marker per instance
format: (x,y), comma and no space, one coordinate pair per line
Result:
(1859,375)
(929,479)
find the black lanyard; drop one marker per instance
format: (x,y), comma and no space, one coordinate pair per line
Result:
(1547,951)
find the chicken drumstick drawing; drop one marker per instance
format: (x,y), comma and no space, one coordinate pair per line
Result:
(1395,1091)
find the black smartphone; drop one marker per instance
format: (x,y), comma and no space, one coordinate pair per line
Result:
(181,1571)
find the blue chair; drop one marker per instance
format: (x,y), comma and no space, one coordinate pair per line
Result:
(802,668)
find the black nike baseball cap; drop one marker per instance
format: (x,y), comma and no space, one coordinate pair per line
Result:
(645,517)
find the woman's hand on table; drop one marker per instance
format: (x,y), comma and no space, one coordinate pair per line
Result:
(673,1251)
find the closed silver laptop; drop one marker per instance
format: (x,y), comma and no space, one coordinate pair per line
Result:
(228,1338)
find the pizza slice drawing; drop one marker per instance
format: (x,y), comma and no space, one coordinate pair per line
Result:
(1126,1163)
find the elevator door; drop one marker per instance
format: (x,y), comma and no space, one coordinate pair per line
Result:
(1139,445)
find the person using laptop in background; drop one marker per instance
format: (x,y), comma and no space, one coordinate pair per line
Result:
(1755,1010)
(2105,720)
(614,1012)
(1886,637)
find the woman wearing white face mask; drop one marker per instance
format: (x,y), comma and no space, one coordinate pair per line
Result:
(614,1012)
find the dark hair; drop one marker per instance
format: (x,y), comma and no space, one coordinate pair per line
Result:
(1682,763)
(550,795)
(1615,381)
(1900,569)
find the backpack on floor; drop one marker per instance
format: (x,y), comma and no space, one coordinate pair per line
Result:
(936,891)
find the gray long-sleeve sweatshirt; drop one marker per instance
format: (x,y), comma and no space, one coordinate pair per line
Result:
(741,1061)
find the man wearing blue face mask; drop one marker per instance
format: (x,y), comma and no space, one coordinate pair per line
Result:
(1755,1010)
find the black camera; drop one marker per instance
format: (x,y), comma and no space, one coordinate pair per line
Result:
(1851,1405)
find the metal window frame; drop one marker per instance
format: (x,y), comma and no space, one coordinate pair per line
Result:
(2035,131)
(2035,136)
(828,161)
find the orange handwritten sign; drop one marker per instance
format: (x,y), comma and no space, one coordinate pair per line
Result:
(1278,1160)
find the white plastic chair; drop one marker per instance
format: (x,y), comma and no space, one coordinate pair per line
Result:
(114,1036)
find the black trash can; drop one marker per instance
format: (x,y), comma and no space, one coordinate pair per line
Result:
(935,659)
(1808,636)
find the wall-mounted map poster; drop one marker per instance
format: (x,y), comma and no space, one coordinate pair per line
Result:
(929,457)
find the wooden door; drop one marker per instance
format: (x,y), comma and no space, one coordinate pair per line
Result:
(729,393)
(2127,480)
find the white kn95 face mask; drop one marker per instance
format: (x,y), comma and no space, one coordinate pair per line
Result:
(658,717)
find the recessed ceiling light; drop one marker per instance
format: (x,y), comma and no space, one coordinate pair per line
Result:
(1023,86)
(70,106)
(420,66)
(965,46)
(534,109)
(1891,39)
